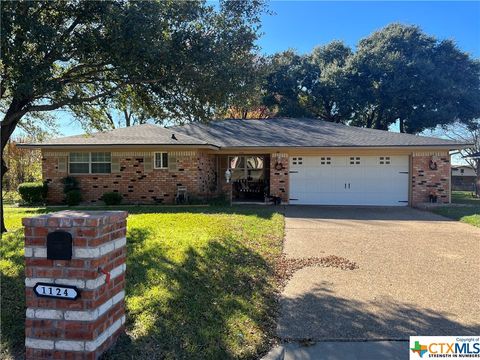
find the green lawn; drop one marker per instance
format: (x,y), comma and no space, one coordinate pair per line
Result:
(200,282)
(464,197)
(470,213)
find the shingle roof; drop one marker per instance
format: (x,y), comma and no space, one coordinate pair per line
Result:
(280,132)
(283,132)
(145,134)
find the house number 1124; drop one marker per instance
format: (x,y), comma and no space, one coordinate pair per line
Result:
(56,291)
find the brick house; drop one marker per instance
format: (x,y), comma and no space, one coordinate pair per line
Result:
(301,161)
(464,177)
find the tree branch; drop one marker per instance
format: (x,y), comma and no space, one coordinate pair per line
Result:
(73,101)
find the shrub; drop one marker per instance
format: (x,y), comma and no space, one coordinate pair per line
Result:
(70,183)
(73,197)
(220,200)
(33,192)
(112,198)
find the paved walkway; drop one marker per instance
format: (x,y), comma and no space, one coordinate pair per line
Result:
(377,350)
(418,275)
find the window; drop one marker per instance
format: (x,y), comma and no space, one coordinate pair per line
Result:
(90,163)
(462,171)
(161,160)
(325,160)
(79,163)
(297,161)
(384,160)
(101,163)
(354,160)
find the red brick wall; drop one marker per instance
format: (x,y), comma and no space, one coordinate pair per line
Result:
(194,170)
(425,180)
(279,178)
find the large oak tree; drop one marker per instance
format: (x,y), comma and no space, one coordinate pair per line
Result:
(397,74)
(178,59)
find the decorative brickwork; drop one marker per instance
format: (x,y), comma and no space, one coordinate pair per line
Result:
(136,182)
(279,177)
(207,174)
(84,328)
(427,179)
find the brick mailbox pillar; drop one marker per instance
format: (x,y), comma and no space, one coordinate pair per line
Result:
(74,283)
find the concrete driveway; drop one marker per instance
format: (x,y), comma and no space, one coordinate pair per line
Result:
(418,275)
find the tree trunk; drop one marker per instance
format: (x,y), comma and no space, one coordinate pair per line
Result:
(2,222)
(9,123)
(477,185)
(370,118)
(402,126)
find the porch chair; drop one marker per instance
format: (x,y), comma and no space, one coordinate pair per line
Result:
(182,195)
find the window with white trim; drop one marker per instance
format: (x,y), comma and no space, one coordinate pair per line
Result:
(384,160)
(90,163)
(161,160)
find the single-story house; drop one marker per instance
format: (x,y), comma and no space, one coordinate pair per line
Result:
(464,177)
(301,161)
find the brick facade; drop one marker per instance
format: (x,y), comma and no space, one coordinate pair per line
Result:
(203,175)
(136,182)
(279,177)
(83,328)
(425,180)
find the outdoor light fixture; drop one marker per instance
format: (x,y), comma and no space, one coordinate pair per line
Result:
(228,175)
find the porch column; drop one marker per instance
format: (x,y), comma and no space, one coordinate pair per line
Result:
(279,176)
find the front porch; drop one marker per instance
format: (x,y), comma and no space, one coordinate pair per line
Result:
(254,177)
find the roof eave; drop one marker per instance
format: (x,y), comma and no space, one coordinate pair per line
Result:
(438,146)
(73,146)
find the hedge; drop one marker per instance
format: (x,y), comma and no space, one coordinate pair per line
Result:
(112,198)
(33,192)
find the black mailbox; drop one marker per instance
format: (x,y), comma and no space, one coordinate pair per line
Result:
(59,245)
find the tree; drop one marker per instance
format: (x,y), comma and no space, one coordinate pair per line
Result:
(283,85)
(325,83)
(24,165)
(248,103)
(401,74)
(79,55)
(468,133)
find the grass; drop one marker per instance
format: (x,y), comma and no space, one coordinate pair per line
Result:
(470,213)
(200,282)
(464,197)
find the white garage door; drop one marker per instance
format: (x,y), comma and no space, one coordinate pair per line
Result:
(349,180)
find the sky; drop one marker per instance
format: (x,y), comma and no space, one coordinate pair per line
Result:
(302,25)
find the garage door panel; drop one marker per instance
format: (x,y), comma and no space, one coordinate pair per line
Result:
(350,180)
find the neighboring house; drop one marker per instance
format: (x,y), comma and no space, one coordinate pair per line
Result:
(302,161)
(463,177)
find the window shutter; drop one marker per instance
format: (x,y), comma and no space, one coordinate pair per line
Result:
(62,164)
(147,163)
(172,162)
(115,165)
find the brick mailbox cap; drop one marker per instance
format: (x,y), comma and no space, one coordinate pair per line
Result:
(69,218)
